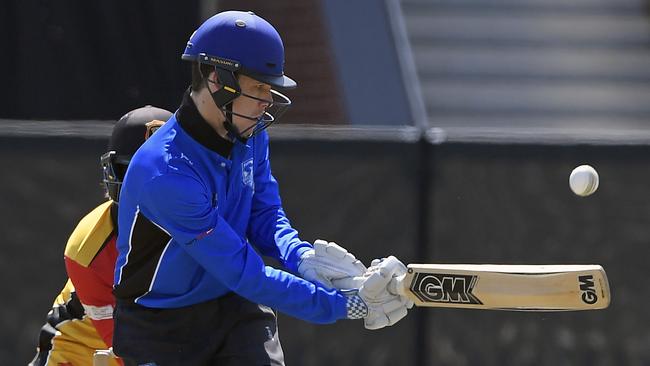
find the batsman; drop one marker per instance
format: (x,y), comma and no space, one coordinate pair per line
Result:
(198,207)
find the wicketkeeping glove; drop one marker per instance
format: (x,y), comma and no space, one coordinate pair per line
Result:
(329,262)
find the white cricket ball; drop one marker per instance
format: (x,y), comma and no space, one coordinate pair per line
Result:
(583,180)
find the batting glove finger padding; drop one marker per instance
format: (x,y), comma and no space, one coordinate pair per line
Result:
(396,315)
(348,283)
(391,265)
(329,263)
(375,321)
(395,288)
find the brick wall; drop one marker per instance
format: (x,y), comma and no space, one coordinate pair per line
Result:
(309,58)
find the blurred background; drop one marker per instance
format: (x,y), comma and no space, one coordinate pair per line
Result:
(440,131)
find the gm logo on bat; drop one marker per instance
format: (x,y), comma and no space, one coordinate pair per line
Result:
(588,291)
(445,288)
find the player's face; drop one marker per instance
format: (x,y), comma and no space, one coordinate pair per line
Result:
(250,107)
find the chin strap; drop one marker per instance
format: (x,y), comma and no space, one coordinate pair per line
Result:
(233,131)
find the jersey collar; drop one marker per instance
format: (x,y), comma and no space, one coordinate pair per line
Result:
(190,119)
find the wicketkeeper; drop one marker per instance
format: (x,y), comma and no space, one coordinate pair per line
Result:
(81,319)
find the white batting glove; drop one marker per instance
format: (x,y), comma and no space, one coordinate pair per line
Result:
(373,301)
(400,273)
(329,262)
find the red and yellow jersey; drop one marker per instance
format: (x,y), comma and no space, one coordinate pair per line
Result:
(81,319)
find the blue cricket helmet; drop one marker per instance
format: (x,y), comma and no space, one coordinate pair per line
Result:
(242,42)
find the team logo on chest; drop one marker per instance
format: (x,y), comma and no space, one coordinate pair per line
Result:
(247,173)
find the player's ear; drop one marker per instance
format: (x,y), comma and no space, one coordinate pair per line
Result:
(213,81)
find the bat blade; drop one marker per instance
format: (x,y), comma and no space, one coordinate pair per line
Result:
(506,287)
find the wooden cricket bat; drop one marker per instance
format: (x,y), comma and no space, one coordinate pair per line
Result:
(505,287)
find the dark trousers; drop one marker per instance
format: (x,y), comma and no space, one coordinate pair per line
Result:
(226,331)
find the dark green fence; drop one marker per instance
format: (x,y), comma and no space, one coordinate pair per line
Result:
(453,202)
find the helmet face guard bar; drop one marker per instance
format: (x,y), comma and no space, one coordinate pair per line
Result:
(110,178)
(275,109)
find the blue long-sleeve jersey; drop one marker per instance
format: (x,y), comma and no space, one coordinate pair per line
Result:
(188,218)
